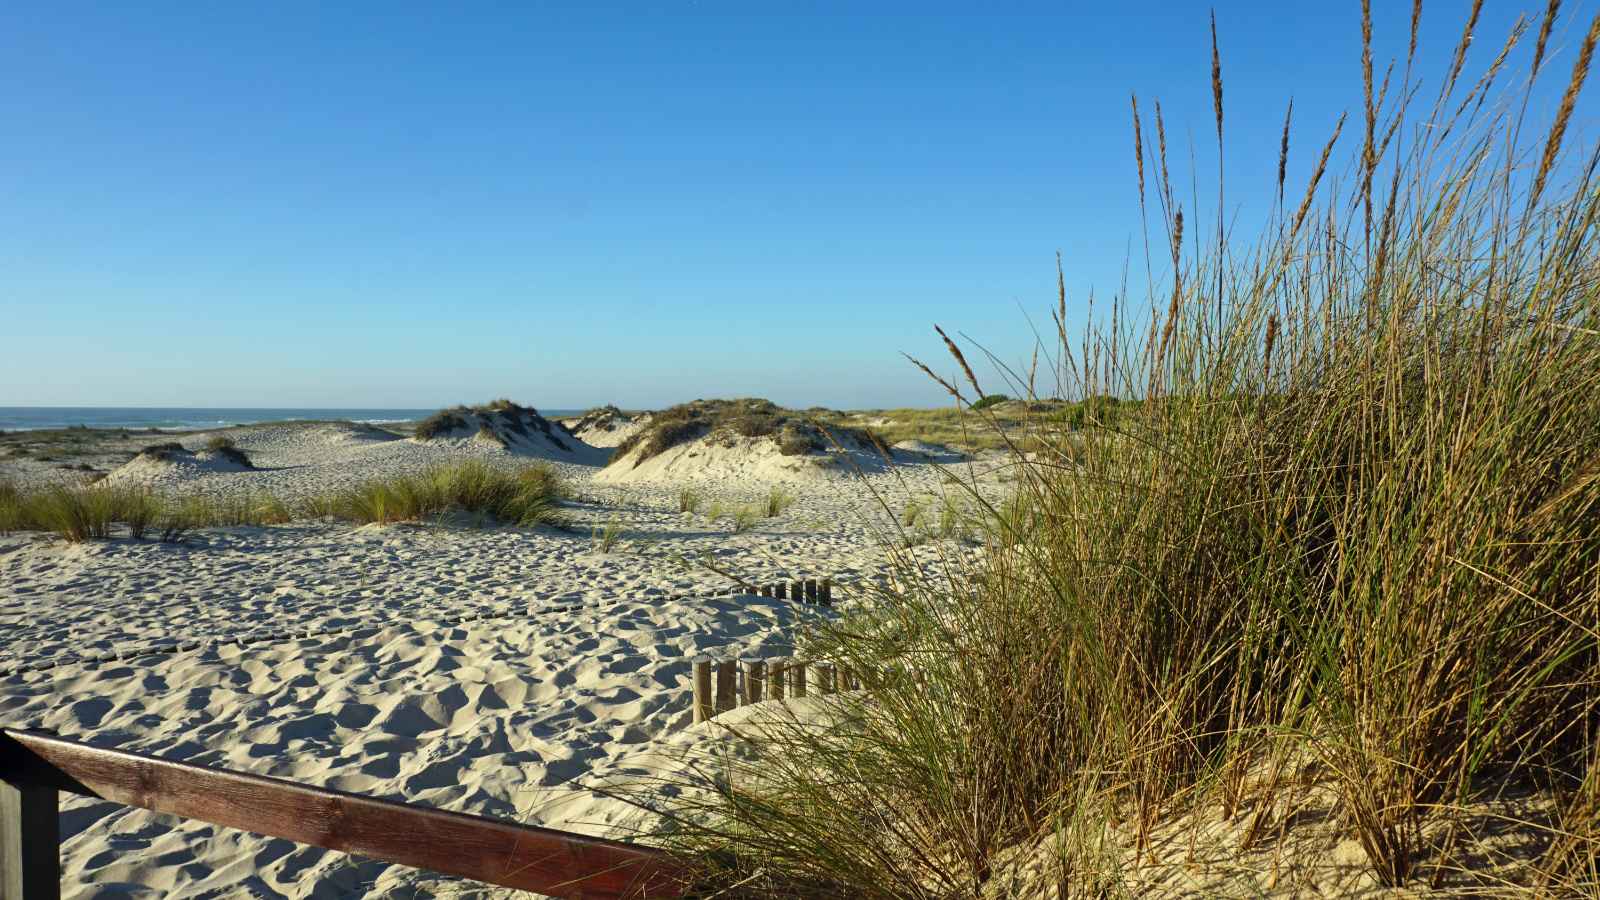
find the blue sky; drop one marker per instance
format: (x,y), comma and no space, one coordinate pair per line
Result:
(395,205)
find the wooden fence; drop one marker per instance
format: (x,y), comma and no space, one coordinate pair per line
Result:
(35,767)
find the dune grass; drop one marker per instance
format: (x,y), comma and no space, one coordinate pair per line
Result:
(79,513)
(1349,541)
(776,501)
(795,433)
(604,537)
(744,518)
(523,498)
(688,500)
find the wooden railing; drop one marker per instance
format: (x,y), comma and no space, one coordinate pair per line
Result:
(35,767)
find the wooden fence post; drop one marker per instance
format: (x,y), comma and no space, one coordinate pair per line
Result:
(779,592)
(727,680)
(825,592)
(811,590)
(796,591)
(702,690)
(30,842)
(755,672)
(776,677)
(797,681)
(824,678)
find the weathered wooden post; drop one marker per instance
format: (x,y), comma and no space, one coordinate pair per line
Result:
(825,592)
(779,591)
(30,838)
(797,681)
(811,590)
(702,690)
(796,591)
(824,678)
(727,684)
(775,678)
(755,672)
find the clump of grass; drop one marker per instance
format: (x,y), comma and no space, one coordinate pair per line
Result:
(952,518)
(523,498)
(777,501)
(223,446)
(605,537)
(913,511)
(165,450)
(78,514)
(988,400)
(11,509)
(688,500)
(440,424)
(1348,541)
(716,511)
(744,519)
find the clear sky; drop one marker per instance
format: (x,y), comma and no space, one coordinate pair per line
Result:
(410,205)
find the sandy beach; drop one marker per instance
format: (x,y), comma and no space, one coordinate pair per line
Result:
(490,670)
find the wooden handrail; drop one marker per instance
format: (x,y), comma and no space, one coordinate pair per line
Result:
(559,863)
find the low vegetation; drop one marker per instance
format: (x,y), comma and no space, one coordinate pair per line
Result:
(688,500)
(224,447)
(777,501)
(500,421)
(1336,574)
(727,420)
(524,498)
(604,537)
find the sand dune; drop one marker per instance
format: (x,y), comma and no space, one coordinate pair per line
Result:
(498,671)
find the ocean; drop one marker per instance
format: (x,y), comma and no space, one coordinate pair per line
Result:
(32,418)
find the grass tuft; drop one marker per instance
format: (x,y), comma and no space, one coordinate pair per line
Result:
(777,501)
(688,500)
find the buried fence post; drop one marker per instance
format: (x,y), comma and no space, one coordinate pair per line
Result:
(775,678)
(779,592)
(755,672)
(30,842)
(825,592)
(727,678)
(702,690)
(811,590)
(796,591)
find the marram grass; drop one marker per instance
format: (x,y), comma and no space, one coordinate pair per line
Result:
(524,498)
(1348,541)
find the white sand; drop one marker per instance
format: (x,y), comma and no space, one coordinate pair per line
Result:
(475,670)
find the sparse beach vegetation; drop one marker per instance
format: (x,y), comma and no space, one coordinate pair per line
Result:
(777,500)
(795,433)
(604,537)
(1336,575)
(688,500)
(524,498)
